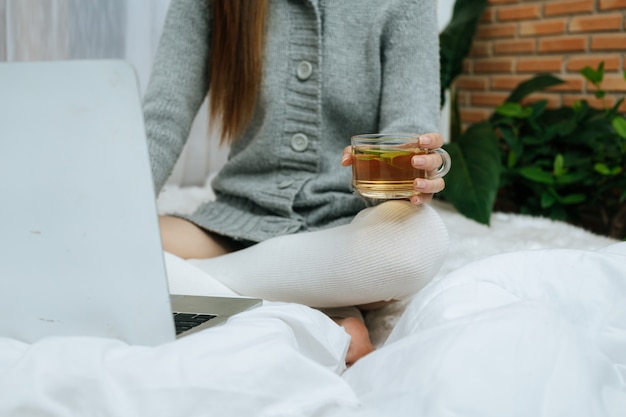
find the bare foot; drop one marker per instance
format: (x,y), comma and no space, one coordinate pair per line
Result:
(360,344)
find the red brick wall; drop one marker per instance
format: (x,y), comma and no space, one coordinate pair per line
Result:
(517,39)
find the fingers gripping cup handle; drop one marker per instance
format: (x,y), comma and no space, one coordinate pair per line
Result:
(445,166)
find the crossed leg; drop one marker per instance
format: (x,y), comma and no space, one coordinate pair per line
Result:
(388,252)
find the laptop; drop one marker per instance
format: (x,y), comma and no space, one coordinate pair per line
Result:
(80,249)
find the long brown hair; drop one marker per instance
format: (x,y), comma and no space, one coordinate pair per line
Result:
(236,63)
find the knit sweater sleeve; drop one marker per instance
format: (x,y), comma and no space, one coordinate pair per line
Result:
(410,66)
(178,84)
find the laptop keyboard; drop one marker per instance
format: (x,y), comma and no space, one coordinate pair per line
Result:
(187,321)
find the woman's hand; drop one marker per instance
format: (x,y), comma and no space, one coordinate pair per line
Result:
(429,163)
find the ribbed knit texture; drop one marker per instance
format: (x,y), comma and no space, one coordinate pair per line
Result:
(388,252)
(375,68)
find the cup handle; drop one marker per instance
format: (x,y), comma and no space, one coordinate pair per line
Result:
(445,166)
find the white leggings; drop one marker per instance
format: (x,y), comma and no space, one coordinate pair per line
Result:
(388,252)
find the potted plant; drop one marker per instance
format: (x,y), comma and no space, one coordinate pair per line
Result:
(565,164)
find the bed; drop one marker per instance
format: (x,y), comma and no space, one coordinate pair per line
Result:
(525,318)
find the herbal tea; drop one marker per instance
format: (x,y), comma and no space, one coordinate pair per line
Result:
(385,173)
(381,164)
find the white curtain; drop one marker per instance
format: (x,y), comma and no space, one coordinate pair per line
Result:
(33,30)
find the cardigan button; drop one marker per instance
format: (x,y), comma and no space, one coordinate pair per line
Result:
(304,70)
(299,142)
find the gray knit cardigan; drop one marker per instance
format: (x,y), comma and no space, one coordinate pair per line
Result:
(332,69)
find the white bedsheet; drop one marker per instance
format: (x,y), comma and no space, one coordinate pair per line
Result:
(532,331)
(278,360)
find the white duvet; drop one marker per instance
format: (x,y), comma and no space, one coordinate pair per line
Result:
(527,318)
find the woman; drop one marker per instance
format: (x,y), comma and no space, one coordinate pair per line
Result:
(289,82)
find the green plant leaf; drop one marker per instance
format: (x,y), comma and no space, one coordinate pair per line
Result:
(619,124)
(547,200)
(473,180)
(578,106)
(566,127)
(537,83)
(514,110)
(557,213)
(534,141)
(538,108)
(511,159)
(537,174)
(550,132)
(601,168)
(617,104)
(595,76)
(572,178)
(581,110)
(509,136)
(572,199)
(604,169)
(455,116)
(558,166)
